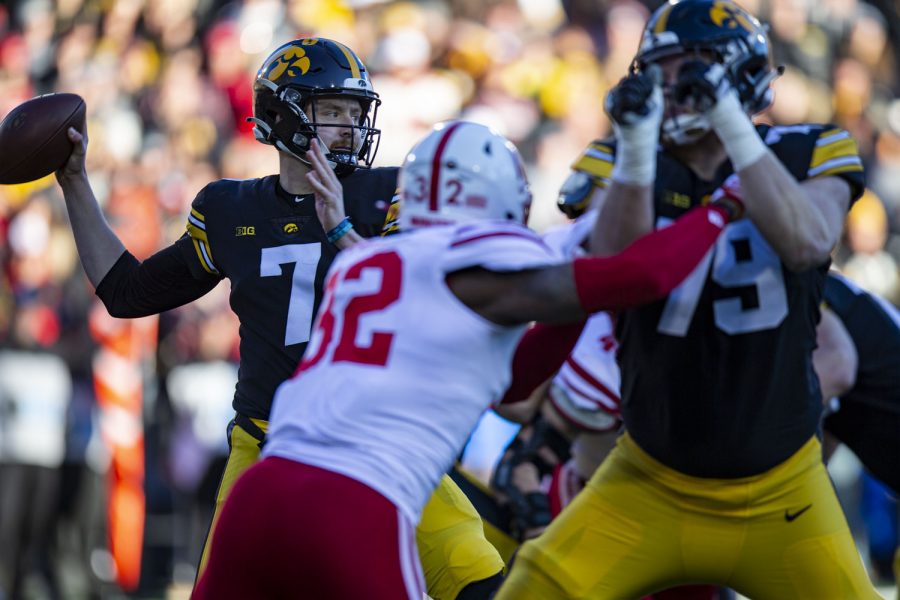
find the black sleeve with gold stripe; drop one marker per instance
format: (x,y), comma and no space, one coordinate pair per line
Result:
(597,161)
(811,150)
(591,170)
(368,194)
(392,220)
(162,282)
(196,230)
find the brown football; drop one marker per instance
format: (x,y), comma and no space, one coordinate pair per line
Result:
(33,139)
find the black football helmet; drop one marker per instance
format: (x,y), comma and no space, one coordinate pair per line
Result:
(287,86)
(575,194)
(723,29)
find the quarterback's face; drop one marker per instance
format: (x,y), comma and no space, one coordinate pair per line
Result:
(342,114)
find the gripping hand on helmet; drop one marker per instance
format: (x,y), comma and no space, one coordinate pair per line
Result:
(707,88)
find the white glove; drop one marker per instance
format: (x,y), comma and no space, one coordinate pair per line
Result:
(635,107)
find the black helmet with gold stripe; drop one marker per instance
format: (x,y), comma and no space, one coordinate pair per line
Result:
(286,89)
(733,36)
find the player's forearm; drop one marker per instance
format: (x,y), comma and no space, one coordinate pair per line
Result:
(790,219)
(651,267)
(523,411)
(802,225)
(98,246)
(646,271)
(625,215)
(540,353)
(635,107)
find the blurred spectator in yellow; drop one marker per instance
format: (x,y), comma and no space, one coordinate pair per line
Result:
(870,265)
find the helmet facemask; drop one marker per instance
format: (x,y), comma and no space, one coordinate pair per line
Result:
(289,128)
(717,31)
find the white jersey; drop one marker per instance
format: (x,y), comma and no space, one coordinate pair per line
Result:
(586,388)
(398,370)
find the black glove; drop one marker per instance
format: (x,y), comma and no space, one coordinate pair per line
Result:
(700,85)
(630,100)
(529,510)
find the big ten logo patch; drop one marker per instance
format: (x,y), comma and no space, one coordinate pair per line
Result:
(242,230)
(676,199)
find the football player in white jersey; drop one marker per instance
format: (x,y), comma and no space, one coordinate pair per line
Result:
(414,340)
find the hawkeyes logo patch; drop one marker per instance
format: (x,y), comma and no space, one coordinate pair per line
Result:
(287,228)
(291,61)
(726,14)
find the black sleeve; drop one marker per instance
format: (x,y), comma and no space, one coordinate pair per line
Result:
(164,281)
(367,196)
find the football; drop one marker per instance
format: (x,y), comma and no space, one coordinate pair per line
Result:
(33,139)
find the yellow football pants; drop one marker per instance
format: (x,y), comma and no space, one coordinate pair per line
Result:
(640,527)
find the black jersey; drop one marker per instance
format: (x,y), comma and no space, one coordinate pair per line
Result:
(868,420)
(272,248)
(717,379)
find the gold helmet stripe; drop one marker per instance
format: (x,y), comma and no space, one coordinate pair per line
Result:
(663,19)
(354,65)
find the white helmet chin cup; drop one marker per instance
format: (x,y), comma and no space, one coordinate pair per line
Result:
(685,129)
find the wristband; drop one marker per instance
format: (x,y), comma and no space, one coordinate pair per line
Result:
(736,132)
(339,231)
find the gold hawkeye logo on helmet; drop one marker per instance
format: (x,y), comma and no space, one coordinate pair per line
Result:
(726,14)
(291,60)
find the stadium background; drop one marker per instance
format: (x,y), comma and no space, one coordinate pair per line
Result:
(85,399)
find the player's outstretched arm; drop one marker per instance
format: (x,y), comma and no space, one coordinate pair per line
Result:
(635,108)
(802,221)
(645,271)
(98,245)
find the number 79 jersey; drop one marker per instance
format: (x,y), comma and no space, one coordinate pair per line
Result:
(717,379)
(398,371)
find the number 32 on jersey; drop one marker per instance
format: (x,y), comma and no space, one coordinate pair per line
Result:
(377,279)
(748,269)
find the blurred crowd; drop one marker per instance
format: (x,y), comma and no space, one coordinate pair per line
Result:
(167,85)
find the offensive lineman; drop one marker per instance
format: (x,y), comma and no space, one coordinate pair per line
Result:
(718,477)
